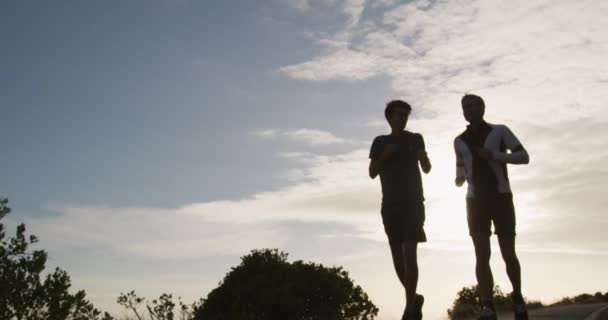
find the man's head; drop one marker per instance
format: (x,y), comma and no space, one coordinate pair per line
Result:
(397,113)
(473,108)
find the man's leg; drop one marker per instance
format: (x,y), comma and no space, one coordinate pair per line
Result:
(411,272)
(507,249)
(485,281)
(405,261)
(398,260)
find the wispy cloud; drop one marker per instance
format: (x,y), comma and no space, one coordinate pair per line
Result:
(539,65)
(336,190)
(354,9)
(343,64)
(375,124)
(431,47)
(351,10)
(267,133)
(313,137)
(222,227)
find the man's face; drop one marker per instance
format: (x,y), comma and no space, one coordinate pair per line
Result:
(398,118)
(472,110)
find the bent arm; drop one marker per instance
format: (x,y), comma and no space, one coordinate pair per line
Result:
(375,167)
(518,154)
(460,172)
(425,163)
(423,157)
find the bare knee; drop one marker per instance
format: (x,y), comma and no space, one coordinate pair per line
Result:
(507,250)
(410,257)
(482,248)
(398,257)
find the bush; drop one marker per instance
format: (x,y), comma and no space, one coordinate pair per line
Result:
(583,298)
(467,304)
(159,309)
(266,286)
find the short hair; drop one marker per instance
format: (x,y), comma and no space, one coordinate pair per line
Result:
(392,105)
(475,98)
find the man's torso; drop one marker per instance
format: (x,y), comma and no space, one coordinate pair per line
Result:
(400,178)
(485,178)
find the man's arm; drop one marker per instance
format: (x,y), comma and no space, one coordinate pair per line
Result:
(518,154)
(425,163)
(377,165)
(423,158)
(460,174)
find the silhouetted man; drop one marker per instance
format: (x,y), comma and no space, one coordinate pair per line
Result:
(481,160)
(395,158)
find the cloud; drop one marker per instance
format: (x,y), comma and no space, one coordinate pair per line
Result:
(313,137)
(350,11)
(267,133)
(354,9)
(540,67)
(221,227)
(430,47)
(343,64)
(336,190)
(296,155)
(330,214)
(375,124)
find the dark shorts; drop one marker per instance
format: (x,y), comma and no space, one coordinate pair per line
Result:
(497,208)
(404,222)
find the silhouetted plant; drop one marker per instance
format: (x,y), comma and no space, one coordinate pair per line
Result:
(23,294)
(467,304)
(266,286)
(159,309)
(583,298)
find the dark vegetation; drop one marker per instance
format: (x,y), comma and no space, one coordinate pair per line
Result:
(263,286)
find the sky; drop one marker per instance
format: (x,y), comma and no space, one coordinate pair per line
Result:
(151,144)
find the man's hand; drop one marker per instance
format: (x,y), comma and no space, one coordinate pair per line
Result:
(460,181)
(375,166)
(425,163)
(486,154)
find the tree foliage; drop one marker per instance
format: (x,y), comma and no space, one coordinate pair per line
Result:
(266,286)
(583,298)
(24,293)
(467,304)
(162,308)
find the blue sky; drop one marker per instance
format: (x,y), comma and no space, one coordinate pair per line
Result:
(151,143)
(111,99)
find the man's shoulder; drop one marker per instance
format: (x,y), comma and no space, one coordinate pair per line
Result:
(380,138)
(490,124)
(460,136)
(500,128)
(497,125)
(379,142)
